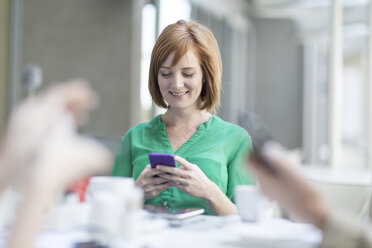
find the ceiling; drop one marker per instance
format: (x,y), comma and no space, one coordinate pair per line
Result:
(313,17)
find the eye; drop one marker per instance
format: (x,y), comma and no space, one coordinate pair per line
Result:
(165,74)
(188,74)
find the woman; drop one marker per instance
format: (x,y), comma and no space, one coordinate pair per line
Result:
(185,78)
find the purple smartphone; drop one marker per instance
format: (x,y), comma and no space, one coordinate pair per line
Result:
(161,158)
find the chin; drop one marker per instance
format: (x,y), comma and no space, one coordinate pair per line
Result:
(179,105)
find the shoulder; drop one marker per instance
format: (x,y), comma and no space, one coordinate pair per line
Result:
(144,128)
(235,139)
(233,136)
(229,128)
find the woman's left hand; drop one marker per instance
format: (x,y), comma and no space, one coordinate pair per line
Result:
(189,178)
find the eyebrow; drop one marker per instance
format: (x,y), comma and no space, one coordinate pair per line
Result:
(185,68)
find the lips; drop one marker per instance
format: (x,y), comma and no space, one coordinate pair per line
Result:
(182,93)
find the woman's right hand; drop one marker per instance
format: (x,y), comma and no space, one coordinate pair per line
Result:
(151,183)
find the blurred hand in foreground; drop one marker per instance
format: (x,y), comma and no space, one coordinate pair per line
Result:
(42,152)
(288,188)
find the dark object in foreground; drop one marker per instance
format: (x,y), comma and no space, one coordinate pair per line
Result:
(260,135)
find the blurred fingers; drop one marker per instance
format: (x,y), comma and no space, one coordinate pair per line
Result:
(83,157)
(278,157)
(174,178)
(158,180)
(151,172)
(75,96)
(153,190)
(167,169)
(181,186)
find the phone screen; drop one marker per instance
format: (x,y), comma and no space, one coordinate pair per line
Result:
(162,159)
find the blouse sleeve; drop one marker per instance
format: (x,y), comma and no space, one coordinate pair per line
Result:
(123,160)
(238,174)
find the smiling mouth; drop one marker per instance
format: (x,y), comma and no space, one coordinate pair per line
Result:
(178,93)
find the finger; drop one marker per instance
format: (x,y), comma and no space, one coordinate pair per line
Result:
(175,178)
(158,180)
(85,156)
(147,180)
(180,186)
(167,169)
(81,96)
(162,187)
(151,172)
(77,95)
(153,193)
(174,171)
(157,188)
(183,162)
(48,107)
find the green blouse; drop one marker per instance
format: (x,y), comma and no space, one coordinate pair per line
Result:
(219,148)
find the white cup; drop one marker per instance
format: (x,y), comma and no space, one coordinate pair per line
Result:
(106,215)
(115,185)
(249,202)
(116,202)
(131,222)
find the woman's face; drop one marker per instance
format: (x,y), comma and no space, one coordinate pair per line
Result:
(181,84)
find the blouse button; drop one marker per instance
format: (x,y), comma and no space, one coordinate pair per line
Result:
(165,203)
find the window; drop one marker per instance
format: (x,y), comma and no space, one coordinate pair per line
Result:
(353,107)
(169,11)
(148,41)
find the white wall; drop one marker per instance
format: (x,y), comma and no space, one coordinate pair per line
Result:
(279,79)
(94,39)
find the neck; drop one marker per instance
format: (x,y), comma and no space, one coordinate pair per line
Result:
(176,117)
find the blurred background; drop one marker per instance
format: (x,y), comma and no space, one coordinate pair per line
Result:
(302,65)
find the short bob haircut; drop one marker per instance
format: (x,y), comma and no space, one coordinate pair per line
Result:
(179,38)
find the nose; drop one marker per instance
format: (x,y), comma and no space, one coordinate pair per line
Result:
(177,81)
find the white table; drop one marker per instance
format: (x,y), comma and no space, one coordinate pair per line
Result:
(206,231)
